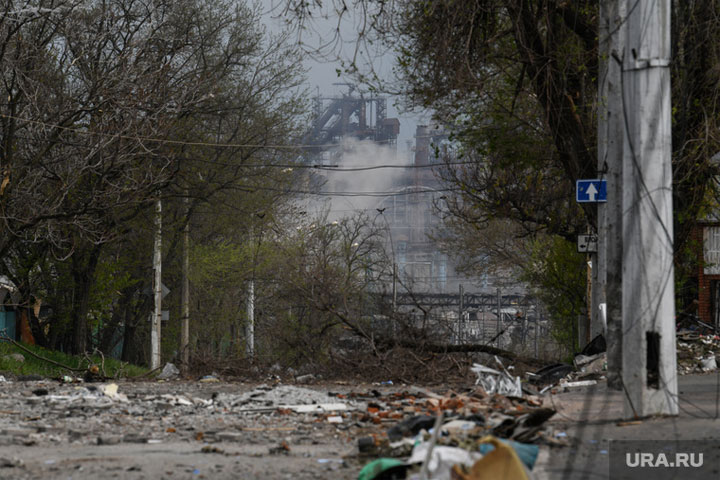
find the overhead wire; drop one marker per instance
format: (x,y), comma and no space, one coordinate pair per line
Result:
(333,168)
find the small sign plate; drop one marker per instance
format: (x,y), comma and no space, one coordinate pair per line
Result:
(587,243)
(591,191)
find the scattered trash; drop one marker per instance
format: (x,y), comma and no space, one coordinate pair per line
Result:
(551,374)
(441,459)
(455,427)
(321,408)
(387,467)
(410,427)
(40,392)
(527,453)
(335,419)
(596,345)
(367,445)
(209,379)
(331,460)
(2,379)
(494,381)
(169,372)
(696,350)
(582,383)
(708,364)
(305,378)
(92,374)
(500,463)
(110,390)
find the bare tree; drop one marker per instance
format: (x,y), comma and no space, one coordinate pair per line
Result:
(108,105)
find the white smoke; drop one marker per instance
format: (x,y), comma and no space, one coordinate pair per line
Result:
(364,186)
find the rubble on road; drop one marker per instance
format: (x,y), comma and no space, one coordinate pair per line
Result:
(474,423)
(696,351)
(169,372)
(375,423)
(497,381)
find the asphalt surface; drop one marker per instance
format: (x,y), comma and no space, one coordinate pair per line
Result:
(593,418)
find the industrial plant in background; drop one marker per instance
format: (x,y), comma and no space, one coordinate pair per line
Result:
(352,131)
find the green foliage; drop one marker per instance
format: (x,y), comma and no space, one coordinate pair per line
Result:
(111,276)
(558,274)
(35,366)
(120,79)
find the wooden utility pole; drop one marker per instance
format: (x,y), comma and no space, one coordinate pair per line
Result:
(156,319)
(649,370)
(611,133)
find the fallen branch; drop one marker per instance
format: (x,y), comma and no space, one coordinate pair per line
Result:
(470,348)
(40,357)
(147,374)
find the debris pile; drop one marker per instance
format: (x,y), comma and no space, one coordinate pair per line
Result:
(696,351)
(458,435)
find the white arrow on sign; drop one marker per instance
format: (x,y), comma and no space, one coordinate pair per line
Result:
(591,192)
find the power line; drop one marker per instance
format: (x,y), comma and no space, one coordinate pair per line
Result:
(329,168)
(247,188)
(177,142)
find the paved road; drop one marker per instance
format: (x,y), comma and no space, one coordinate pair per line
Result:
(590,418)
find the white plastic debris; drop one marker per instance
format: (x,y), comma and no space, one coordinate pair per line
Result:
(578,384)
(320,408)
(111,390)
(497,381)
(442,459)
(456,427)
(170,371)
(708,364)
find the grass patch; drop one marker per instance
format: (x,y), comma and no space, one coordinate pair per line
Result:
(35,366)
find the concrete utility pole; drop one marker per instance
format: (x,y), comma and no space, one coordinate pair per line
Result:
(157,290)
(250,325)
(499,318)
(394,287)
(649,356)
(461,329)
(611,133)
(537,327)
(185,320)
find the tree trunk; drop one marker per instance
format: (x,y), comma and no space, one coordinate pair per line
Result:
(83,272)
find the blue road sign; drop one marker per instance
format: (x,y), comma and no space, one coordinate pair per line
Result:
(591,191)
